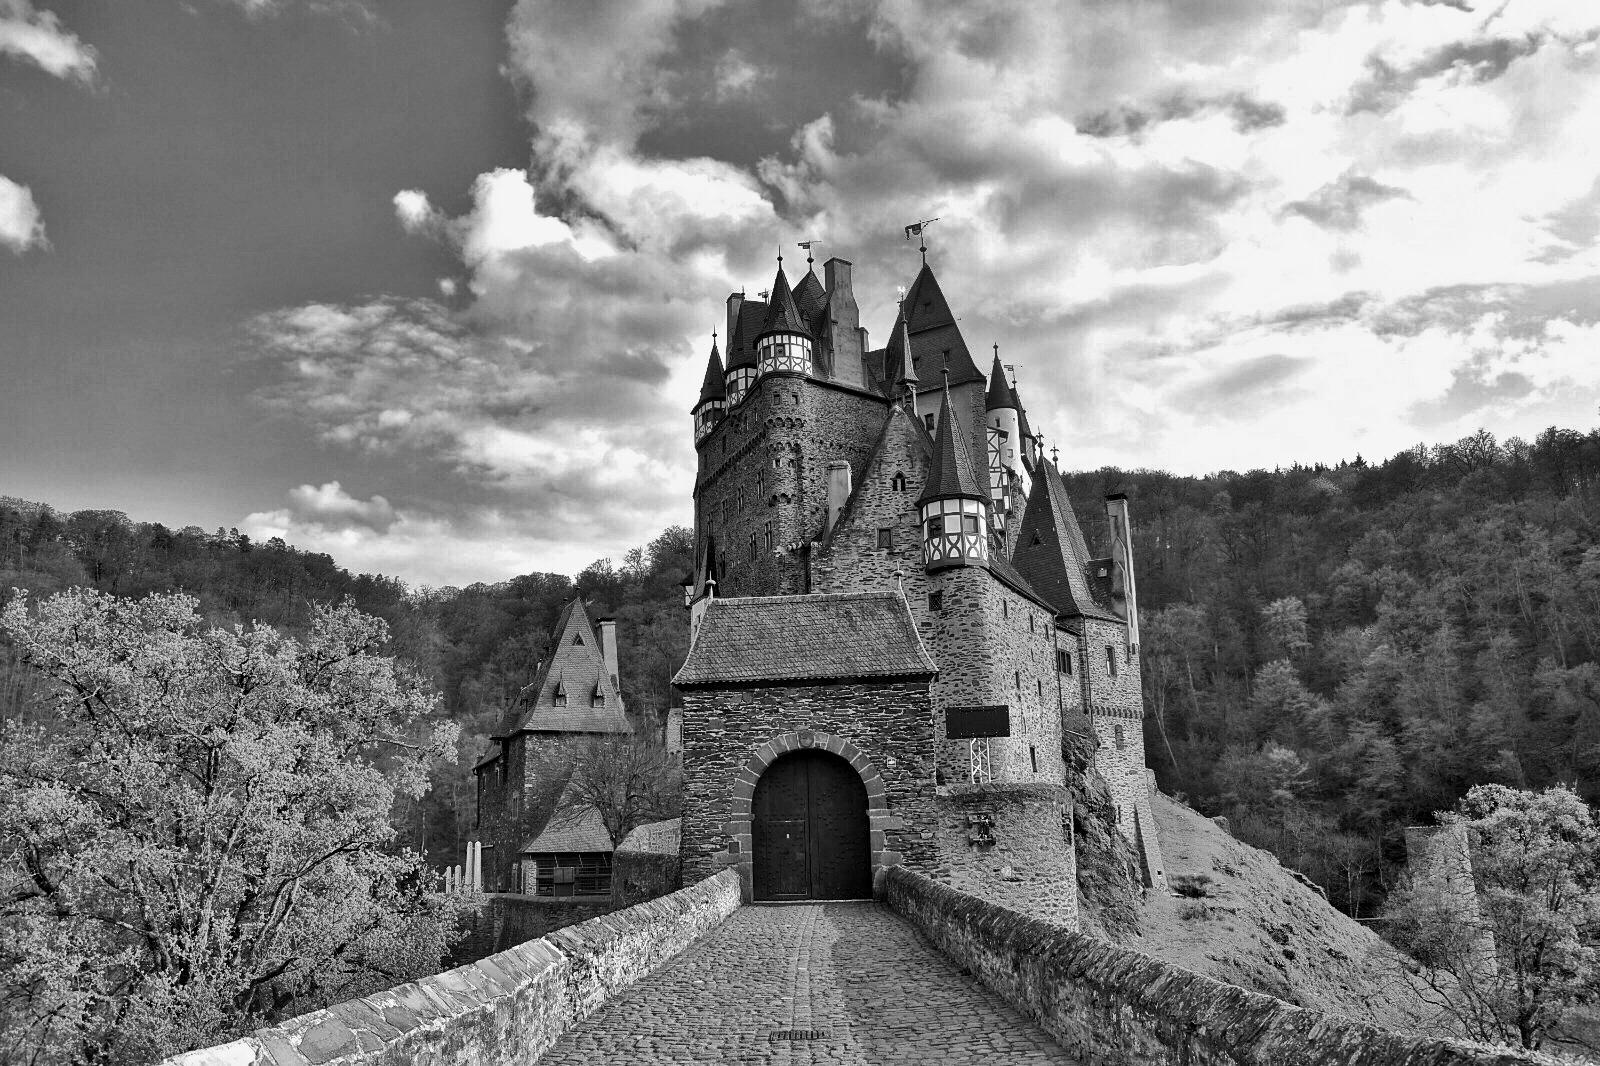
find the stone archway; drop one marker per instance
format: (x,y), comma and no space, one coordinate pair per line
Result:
(741,812)
(808,830)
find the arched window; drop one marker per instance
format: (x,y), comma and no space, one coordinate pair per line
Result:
(898,482)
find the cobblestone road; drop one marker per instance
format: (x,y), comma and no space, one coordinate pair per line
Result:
(852,977)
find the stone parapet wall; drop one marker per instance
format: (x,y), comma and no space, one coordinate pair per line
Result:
(508,1008)
(1109,1004)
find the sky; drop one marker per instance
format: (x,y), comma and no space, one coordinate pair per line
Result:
(429,284)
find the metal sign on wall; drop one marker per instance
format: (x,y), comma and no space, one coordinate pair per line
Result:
(969,723)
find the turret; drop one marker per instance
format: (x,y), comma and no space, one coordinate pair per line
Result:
(953,505)
(784,344)
(1003,418)
(709,409)
(905,381)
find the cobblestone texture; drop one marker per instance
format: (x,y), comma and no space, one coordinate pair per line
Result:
(852,976)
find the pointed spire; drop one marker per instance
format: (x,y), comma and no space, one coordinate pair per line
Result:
(952,474)
(715,386)
(907,375)
(1051,552)
(1001,394)
(782,314)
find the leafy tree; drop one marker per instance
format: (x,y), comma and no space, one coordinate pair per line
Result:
(200,841)
(1513,962)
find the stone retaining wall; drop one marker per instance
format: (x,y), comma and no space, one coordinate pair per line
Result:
(508,1008)
(1116,1006)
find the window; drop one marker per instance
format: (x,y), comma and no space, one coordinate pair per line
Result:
(752,546)
(1038,683)
(927,420)
(1064,660)
(885,537)
(935,601)
(898,482)
(1033,753)
(1111,659)
(768,536)
(577,638)
(1005,608)
(1121,741)
(1017,676)
(1030,623)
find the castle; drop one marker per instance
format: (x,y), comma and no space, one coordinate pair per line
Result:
(896,621)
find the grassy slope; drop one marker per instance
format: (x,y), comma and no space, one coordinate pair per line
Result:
(1260,928)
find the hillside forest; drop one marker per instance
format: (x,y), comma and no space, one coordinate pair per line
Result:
(1331,653)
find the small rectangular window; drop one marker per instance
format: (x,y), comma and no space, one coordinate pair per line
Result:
(1064,660)
(1017,675)
(927,420)
(1005,608)
(752,546)
(1038,684)
(935,601)
(1033,753)
(1031,628)
(1111,659)
(885,537)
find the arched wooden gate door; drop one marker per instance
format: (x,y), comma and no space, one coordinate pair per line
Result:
(809,830)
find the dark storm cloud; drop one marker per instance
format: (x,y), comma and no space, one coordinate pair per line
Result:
(1386,84)
(1247,113)
(1339,204)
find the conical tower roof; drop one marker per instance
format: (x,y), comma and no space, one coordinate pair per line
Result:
(782,313)
(907,374)
(715,386)
(952,472)
(742,345)
(936,341)
(809,295)
(1001,394)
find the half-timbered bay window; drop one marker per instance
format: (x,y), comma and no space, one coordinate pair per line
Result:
(780,352)
(953,533)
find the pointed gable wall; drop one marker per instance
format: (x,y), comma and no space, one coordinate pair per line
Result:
(577,665)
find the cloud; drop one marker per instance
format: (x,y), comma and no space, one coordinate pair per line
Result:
(1208,235)
(1339,204)
(39,38)
(331,506)
(735,77)
(356,12)
(21,225)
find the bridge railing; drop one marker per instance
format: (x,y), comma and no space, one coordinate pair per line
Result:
(1111,1004)
(508,1008)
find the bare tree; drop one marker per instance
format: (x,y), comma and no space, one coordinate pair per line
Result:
(628,779)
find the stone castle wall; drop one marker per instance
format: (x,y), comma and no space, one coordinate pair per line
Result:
(1010,844)
(1114,1005)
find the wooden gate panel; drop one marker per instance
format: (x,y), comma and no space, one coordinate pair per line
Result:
(779,834)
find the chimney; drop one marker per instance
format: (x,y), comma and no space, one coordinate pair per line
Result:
(735,301)
(838,484)
(1124,596)
(608,648)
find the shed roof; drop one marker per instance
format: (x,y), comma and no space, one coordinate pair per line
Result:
(575,831)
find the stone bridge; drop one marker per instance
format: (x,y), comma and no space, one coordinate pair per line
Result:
(924,974)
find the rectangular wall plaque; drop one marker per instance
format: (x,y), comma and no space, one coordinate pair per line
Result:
(967,723)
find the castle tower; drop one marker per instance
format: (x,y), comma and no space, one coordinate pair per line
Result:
(1002,417)
(953,506)
(709,408)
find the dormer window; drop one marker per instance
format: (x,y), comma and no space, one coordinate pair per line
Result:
(577,638)
(597,698)
(560,693)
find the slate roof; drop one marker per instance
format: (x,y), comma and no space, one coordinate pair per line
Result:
(813,637)
(715,386)
(654,838)
(1001,394)
(809,296)
(742,345)
(782,314)
(936,341)
(953,472)
(575,831)
(1051,554)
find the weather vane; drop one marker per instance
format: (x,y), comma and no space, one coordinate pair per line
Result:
(807,246)
(916,229)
